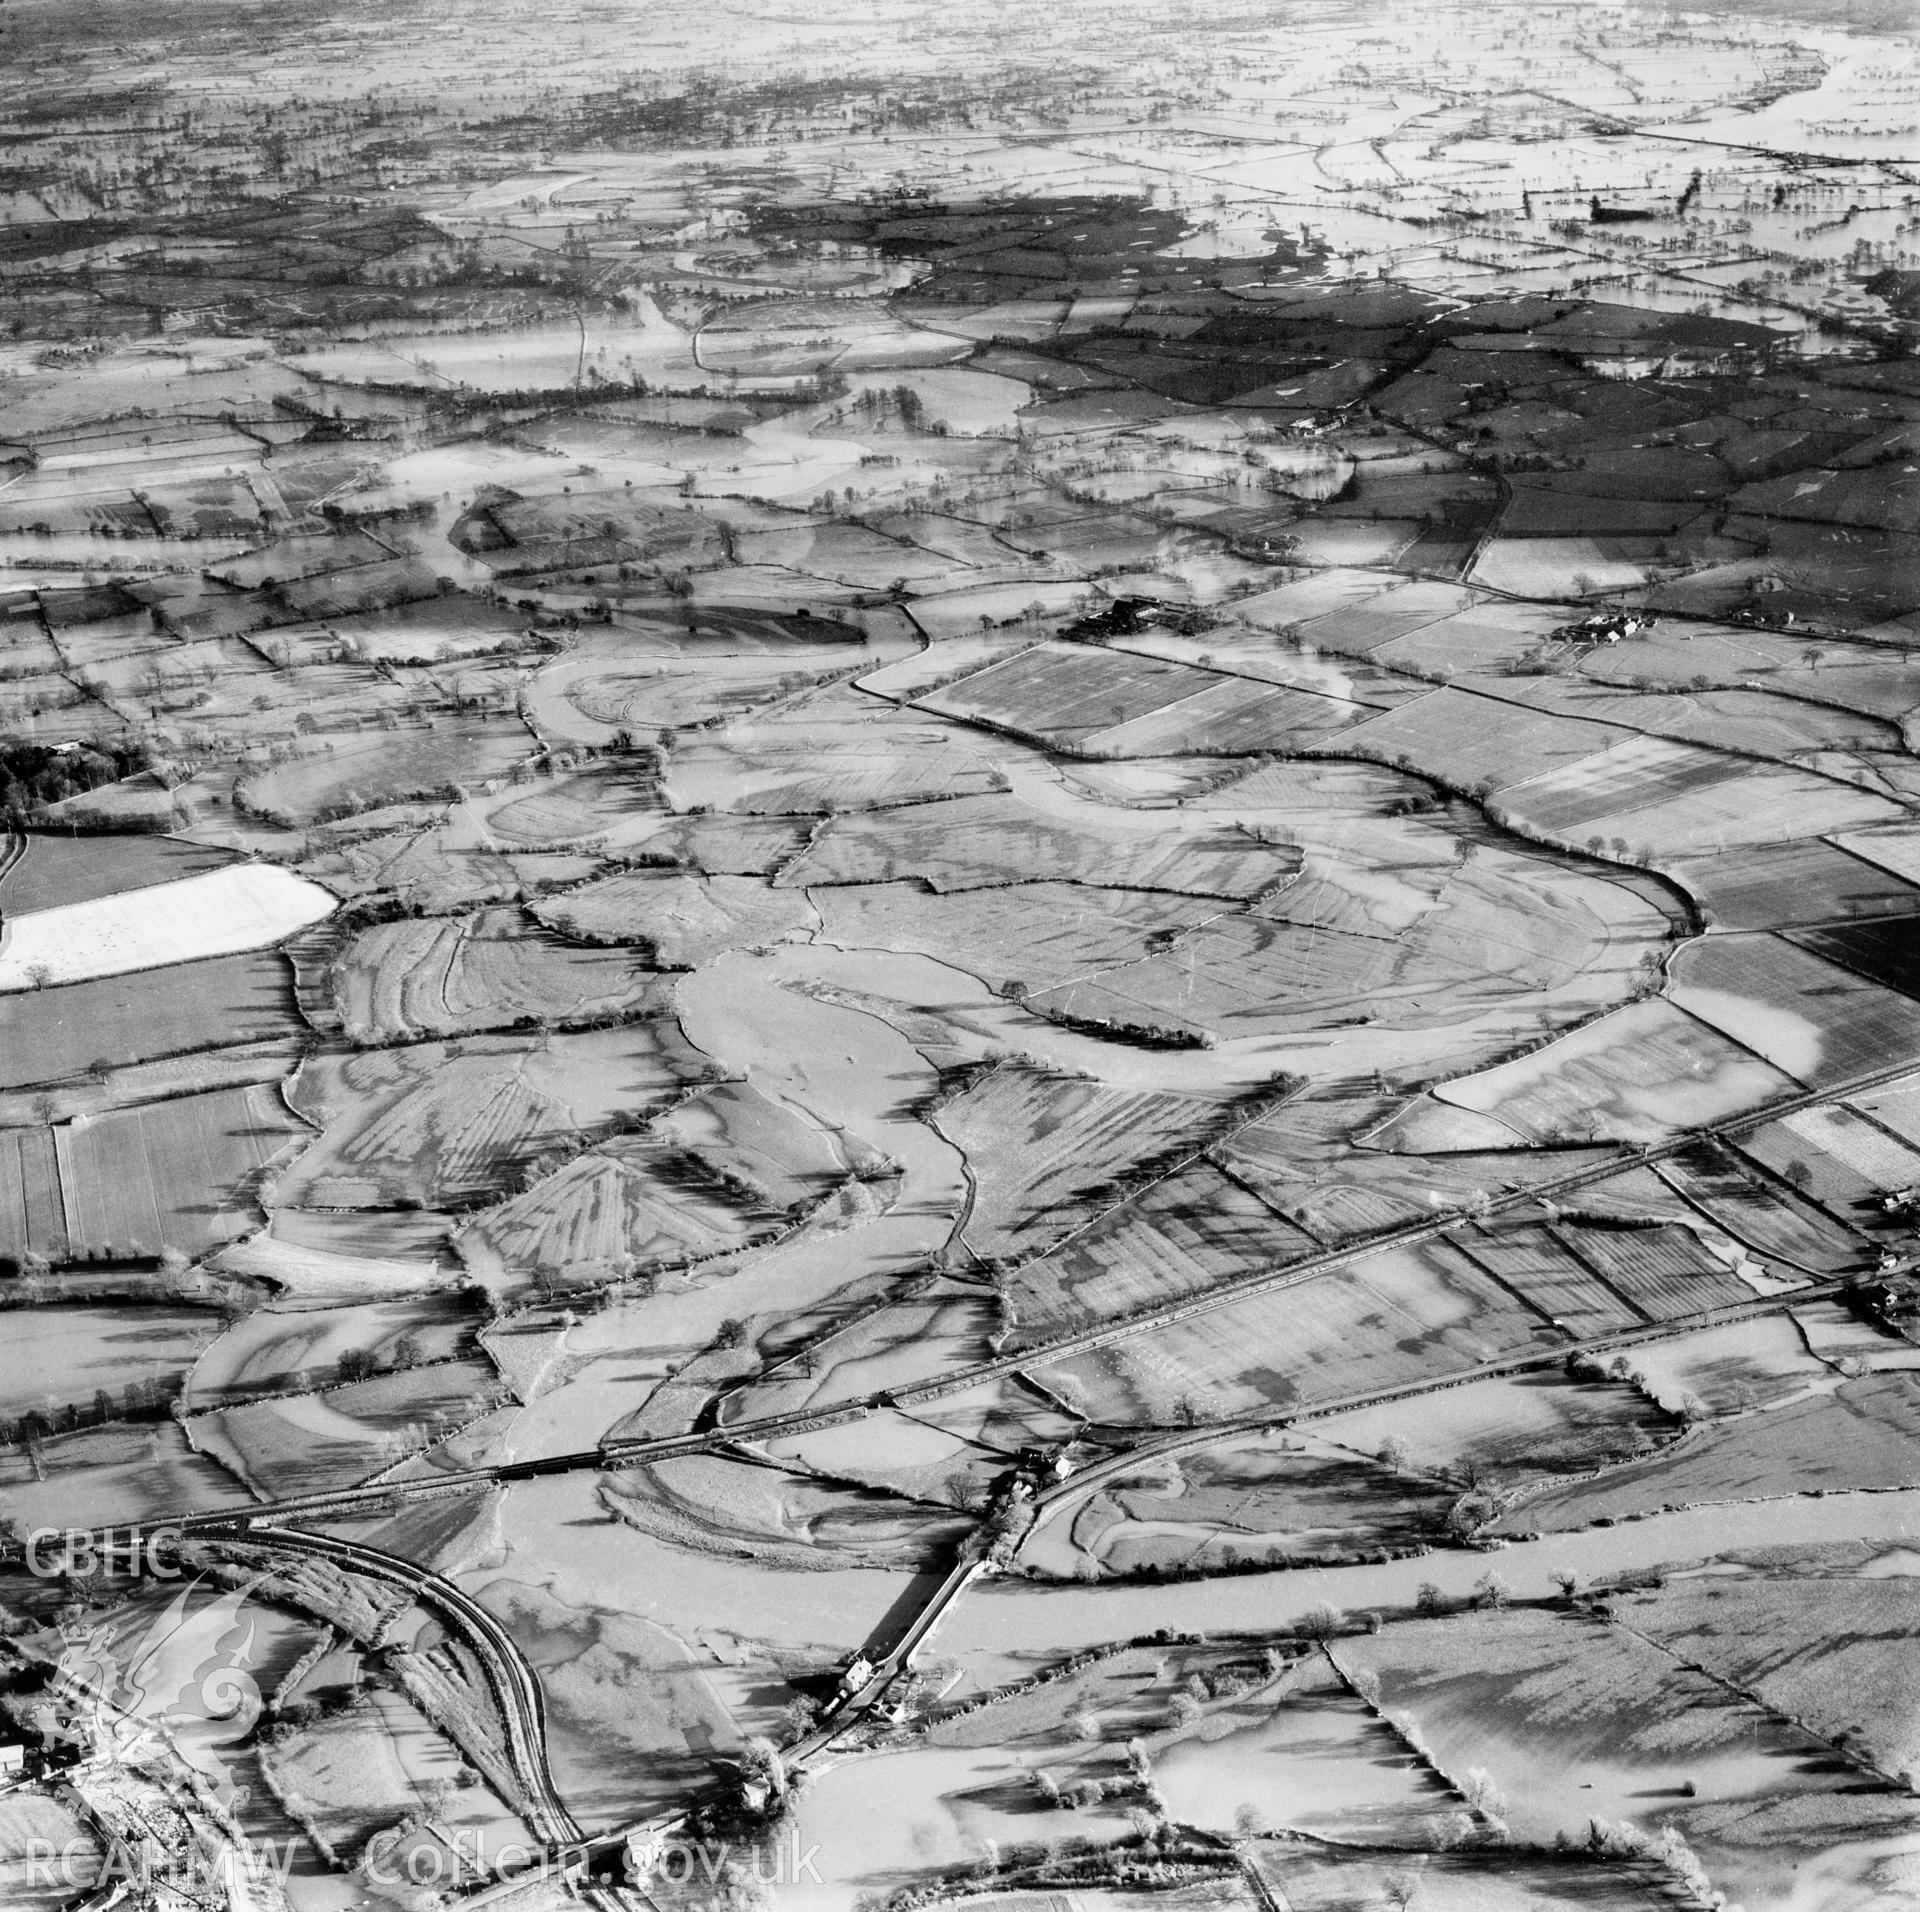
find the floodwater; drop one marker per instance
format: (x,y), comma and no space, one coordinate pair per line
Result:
(555,1534)
(876,1821)
(1314,1758)
(1003,1629)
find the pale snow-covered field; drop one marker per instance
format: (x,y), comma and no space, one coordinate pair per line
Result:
(246,906)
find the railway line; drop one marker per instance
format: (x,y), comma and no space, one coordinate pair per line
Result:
(288,1526)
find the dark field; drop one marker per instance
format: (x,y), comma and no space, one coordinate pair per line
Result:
(53,1035)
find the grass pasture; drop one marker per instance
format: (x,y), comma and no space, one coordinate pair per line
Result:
(733,846)
(1837,1158)
(33,1824)
(814,774)
(1623,774)
(359,588)
(308,1443)
(1047,1152)
(1887,953)
(1398,1316)
(365,770)
(1836,1654)
(1795,883)
(76,869)
(1663,1273)
(1490,636)
(1536,1263)
(430,630)
(346,1774)
(459,1124)
(1188,1233)
(634,1712)
(1866,1434)
(899,1452)
(1252,1502)
(582,810)
(1253,655)
(308,1274)
(1438,936)
(1762,804)
(1230,717)
(1238,977)
(1468,739)
(676,694)
(278,1349)
(99,1476)
(1036,934)
(1809,1018)
(1895,1107)
(1066,691)
(428,977)
(1511,1429)
(1574,1721)
(772,1146)
(1755,722)
(1377,618)
(175,1174)
(677,921)
(977,842)
(1300,1159)
(1314,1759)
(1562,569)
(96,1358)
(1734,1368)
(33,1219)
(632,1204)
(1479,1881)
(1760,1212)
(910,1340)
(1632,1076)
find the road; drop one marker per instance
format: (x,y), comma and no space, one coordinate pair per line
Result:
(350,1502)
(517,1687)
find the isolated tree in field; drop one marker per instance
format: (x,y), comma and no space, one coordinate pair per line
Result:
(1393,1452)
(1319,1622)
(39,974)
(1429,1600)
(1491,1591)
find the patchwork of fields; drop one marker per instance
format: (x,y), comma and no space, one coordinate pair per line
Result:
(975,948)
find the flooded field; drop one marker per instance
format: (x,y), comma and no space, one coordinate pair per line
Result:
(972,938)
